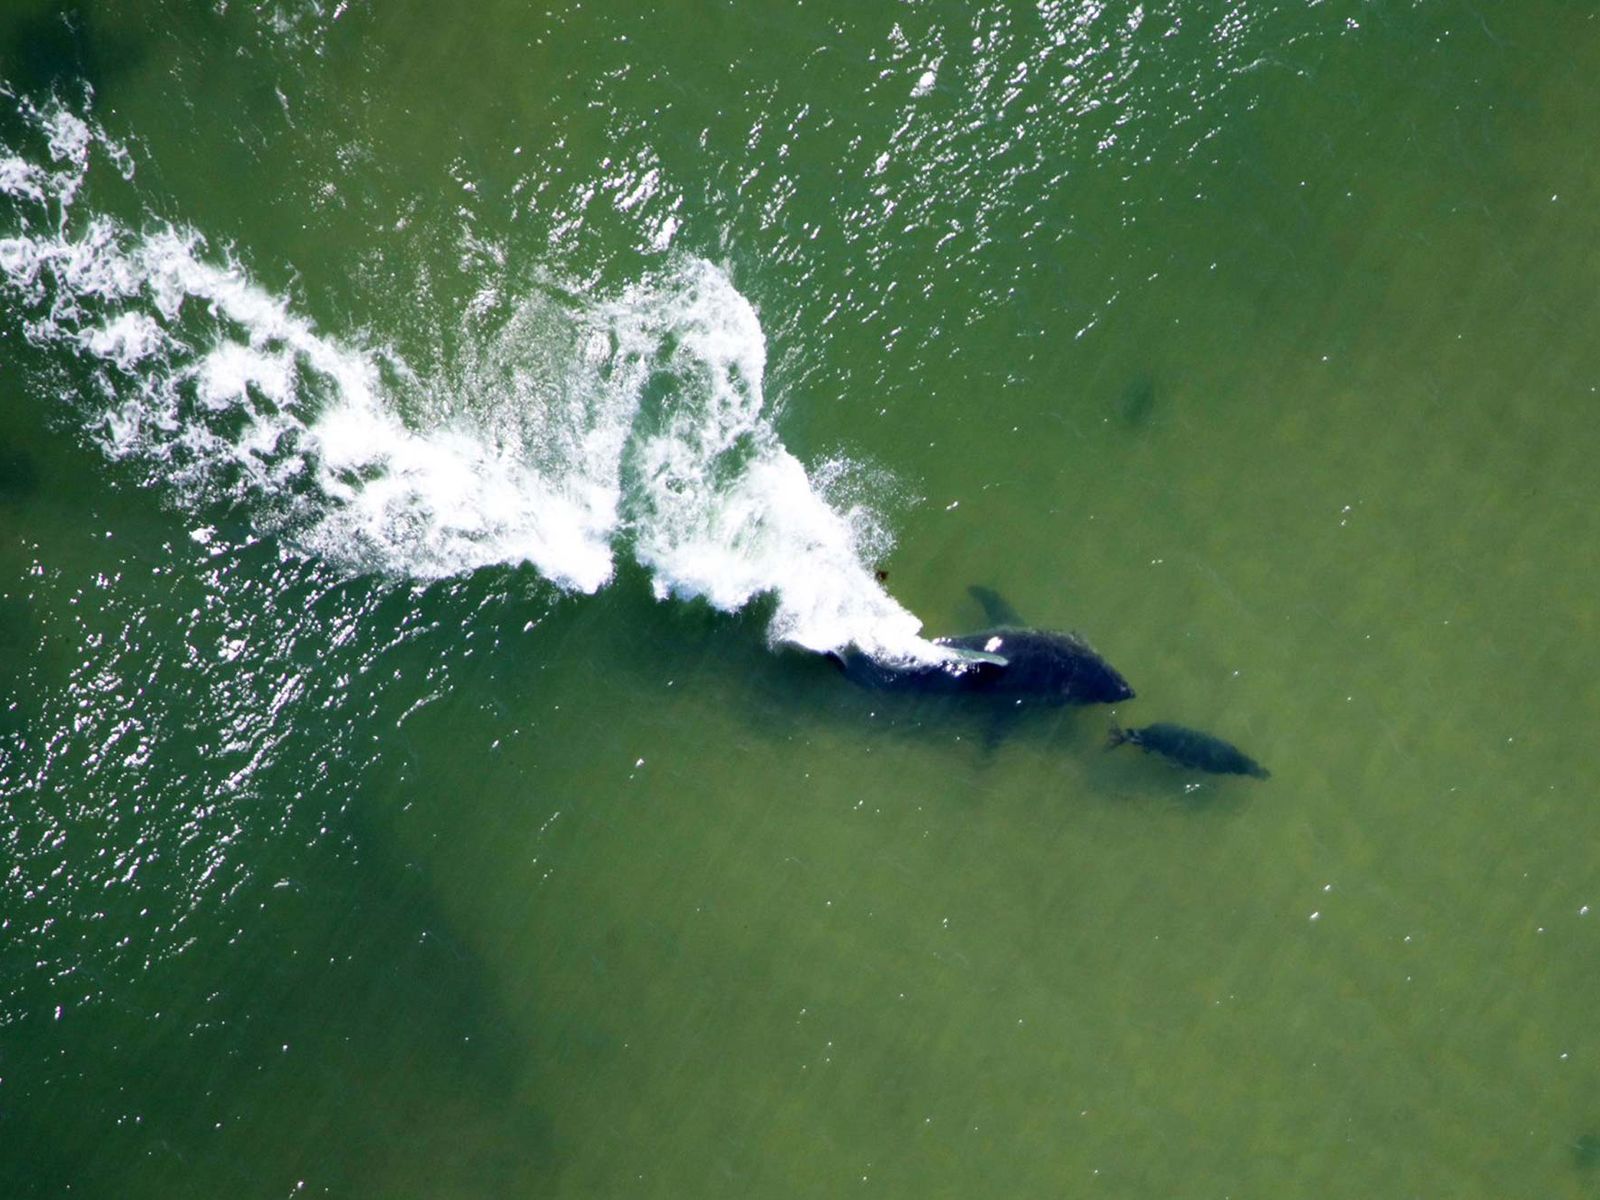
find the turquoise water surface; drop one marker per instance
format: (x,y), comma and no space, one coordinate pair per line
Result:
(436,450)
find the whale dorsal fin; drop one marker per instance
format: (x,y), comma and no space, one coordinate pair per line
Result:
(997,609)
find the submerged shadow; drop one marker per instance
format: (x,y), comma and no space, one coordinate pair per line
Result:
(19,476)
(61,45)
(652,648)
(1137,404)
(352,1037)
(637,648)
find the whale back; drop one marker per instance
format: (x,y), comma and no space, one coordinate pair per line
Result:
(1059,668)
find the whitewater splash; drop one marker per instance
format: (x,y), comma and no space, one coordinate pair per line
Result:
(584,427)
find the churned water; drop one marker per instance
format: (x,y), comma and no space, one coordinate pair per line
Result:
(435,448)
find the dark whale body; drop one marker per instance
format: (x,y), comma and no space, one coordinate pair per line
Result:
(1189,748)
(1018,665)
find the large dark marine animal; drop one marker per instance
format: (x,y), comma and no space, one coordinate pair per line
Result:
(1189,748)
(1016,665)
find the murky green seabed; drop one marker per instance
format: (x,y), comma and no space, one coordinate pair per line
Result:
(1259,346)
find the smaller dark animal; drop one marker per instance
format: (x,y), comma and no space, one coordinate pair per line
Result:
(1139,401)
(1189,748)
(1586,1151)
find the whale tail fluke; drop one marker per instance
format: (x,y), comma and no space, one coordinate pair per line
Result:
(1115,736)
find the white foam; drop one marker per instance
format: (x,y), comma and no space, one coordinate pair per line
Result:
(310,428)
(21,179)
(721,510)
(770,531)
(125,340)
(579,426)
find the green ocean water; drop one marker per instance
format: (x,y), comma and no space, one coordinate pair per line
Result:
(1255,342)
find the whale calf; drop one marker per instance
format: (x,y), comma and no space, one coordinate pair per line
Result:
(1189,748)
